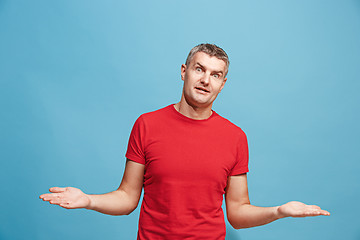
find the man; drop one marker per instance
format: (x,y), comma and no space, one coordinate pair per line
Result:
(186,157)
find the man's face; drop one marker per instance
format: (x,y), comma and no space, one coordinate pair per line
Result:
(204,78)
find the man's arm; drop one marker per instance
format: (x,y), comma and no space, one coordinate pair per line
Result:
(241,214)
(122,201)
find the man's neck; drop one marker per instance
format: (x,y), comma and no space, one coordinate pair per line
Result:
(192,112)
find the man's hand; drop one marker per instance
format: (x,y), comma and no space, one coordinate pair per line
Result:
(119,202)
(299,209)
(241,214)
(68,197)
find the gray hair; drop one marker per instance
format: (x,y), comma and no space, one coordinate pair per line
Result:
(211,50)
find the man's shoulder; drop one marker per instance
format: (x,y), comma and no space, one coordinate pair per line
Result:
(227,124)
(156,113)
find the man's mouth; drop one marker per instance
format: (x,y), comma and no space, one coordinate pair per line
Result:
(202,89)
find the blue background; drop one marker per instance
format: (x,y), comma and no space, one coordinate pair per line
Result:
(75,75)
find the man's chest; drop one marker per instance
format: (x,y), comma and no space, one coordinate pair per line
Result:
(189,155)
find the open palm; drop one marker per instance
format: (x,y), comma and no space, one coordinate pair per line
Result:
(67,197)
(299,209)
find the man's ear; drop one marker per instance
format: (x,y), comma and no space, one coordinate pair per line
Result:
(223,84)
(183,69)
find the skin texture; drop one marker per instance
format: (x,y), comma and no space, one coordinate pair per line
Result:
(204,78)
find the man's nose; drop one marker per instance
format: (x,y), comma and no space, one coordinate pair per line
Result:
(205,79)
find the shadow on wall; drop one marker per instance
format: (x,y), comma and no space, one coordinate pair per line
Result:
(232,234)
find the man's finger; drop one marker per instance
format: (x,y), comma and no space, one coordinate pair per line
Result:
(46,196)
(324,212)
(58,201)
(49,196)
(317,213)
(57,189)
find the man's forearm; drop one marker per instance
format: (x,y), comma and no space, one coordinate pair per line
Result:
(113,203)
(247,215)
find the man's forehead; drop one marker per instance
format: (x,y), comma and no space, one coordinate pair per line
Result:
(206,60)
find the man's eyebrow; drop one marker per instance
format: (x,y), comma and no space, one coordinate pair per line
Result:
(197,63)
(219,71)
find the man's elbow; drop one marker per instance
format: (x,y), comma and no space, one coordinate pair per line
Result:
(125,208)
(126,203)
(130,208)
(237,221)
(235,224)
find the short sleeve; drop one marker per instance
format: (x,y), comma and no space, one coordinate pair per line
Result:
(242,162)
(135,150)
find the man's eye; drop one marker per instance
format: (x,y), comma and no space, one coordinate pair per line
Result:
(216,76)
(198,69)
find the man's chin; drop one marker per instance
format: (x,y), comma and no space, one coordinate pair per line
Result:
(199,102)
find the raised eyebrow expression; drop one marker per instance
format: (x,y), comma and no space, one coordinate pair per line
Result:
(214,73)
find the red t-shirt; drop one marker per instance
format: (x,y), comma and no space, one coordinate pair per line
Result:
(187,163)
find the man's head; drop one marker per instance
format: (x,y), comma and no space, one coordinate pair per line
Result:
(204,75)
(211,50)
